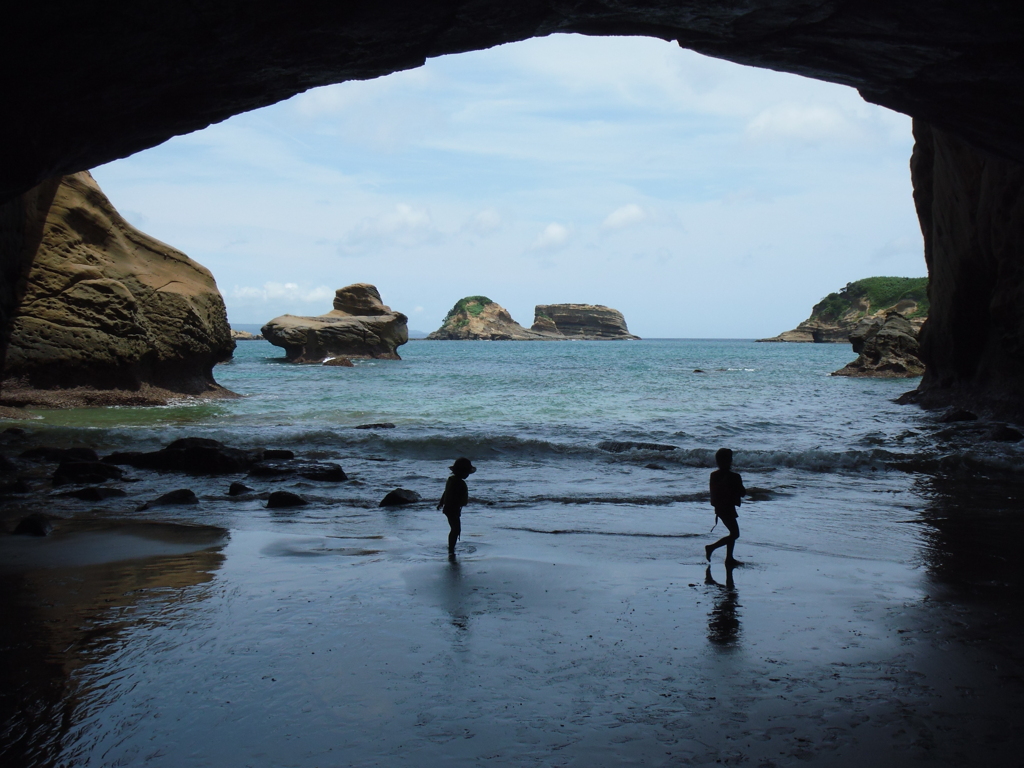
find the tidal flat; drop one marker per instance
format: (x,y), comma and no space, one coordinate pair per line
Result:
(179,645)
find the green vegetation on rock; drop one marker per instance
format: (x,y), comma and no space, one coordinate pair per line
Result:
(880,293)
(471,305)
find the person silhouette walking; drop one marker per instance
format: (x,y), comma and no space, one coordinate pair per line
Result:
(455,497)
(727,493)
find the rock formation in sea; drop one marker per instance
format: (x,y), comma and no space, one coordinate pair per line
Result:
(479,318)
(836,316)
(581,321)
(245,336)
(887,348)
(109,315)
(359,326)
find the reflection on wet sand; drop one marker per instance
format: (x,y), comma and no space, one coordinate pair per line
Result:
(724,618)
(67,602)
(973,529)
(453,595)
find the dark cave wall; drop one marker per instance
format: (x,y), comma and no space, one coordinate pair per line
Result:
(971,207)
(89,82)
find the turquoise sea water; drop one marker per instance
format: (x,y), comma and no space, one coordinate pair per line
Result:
(538,418)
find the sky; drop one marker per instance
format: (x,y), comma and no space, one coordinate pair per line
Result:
(700,198)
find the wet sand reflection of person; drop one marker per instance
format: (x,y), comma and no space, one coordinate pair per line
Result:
(724,620)
(454,595)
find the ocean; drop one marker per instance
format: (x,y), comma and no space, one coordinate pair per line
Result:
(338,633)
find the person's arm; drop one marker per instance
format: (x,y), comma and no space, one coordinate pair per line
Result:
(740,490)
(444,495)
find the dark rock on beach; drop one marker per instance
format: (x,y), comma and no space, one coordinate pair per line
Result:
(284,499)
(360,326)
(179,496)
(1004,434)
(957,414)
(324,471)
(86,472)
(191,455)
(380,425)
(621,446)
(18,486)
(238,489)
(47,453)
(94,493)
(400,497)
(277,454)
(36,524)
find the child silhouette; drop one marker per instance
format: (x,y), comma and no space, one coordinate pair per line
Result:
(727,492)
(455,497)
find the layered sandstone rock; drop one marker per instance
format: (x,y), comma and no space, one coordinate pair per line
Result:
(581,321)
(359,326)
(887,348)
(839,314)
(480,319)
(109,315)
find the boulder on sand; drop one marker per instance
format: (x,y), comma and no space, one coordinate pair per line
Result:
(359,326)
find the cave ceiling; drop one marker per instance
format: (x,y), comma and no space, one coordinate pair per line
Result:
(89,82)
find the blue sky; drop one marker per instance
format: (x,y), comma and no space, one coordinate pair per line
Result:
(700,198)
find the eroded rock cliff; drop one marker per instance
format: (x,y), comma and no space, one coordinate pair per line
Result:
(477,318)
(971,207)
(839,314)
(594,322)
(886,347)
(108,315)
(359,326)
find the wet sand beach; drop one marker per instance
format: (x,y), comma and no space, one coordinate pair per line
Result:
(614,645)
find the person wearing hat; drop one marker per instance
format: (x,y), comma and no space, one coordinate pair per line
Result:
(455,497)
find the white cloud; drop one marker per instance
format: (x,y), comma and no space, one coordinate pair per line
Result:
(807,124)
(272,291)
(553,236)
(405,226)
(625,216)
(485,222)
